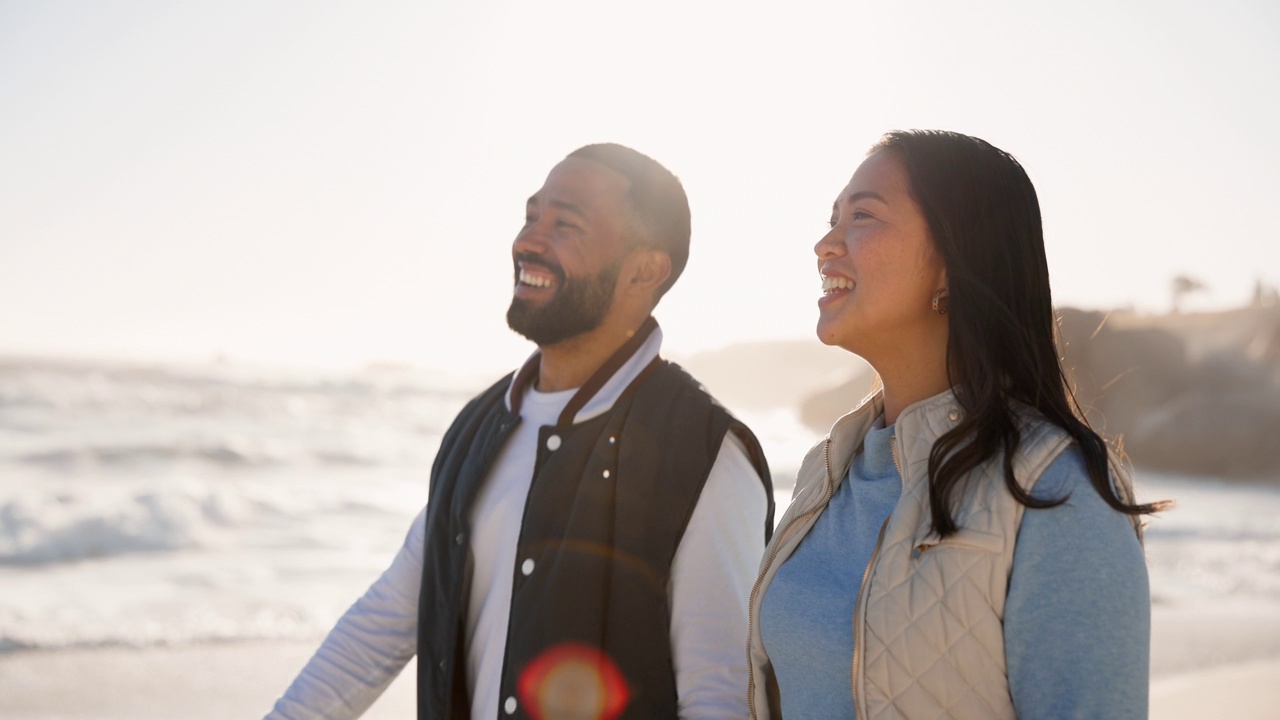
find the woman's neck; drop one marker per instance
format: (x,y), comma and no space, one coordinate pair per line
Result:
(910,381)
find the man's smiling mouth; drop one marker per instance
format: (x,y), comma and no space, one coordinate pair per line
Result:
(535,279)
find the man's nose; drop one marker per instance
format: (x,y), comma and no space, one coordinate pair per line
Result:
(532,238)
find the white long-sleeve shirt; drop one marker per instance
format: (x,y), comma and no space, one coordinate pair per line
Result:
(712,573)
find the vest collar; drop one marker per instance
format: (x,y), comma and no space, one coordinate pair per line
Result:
(924,421)
(528,374)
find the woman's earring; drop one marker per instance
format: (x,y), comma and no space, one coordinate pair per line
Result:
(940,302)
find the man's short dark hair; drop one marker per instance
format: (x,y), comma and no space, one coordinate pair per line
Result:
(659,208)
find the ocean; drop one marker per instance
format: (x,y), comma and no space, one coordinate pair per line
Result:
(164,505)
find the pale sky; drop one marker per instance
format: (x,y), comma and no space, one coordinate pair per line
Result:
(333,183)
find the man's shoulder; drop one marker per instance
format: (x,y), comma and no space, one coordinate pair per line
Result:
(485,400)
(499,387)
(678,394)
(672,374)
(691,390)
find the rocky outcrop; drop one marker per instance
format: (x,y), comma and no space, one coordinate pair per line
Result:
(1196,394)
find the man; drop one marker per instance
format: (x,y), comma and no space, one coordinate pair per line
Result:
(595,520)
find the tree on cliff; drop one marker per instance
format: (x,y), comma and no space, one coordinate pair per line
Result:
(1182,285)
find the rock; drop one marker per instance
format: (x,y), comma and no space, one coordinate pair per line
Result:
(1196,394)
(1229,434)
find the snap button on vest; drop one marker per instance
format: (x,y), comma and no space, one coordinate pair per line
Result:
(510,706)
(606,474)
(553,442)
(526,567)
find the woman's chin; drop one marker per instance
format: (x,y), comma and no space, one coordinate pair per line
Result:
(832,337)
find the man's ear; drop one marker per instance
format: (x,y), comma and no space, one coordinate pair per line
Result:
(645,271)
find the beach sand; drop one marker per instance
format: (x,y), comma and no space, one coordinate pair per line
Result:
(1221,661)
(204,682)
(1205,664)
(1242,691)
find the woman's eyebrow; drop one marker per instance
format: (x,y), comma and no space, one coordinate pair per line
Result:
(866,195)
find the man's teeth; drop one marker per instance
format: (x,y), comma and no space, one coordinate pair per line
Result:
(832,284)
(534,280)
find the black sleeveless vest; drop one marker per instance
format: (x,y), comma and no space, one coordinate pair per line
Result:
(608,505)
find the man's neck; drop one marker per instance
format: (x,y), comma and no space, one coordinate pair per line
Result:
(571,363)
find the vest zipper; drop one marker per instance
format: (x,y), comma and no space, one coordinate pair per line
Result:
(755,589)
(860,635)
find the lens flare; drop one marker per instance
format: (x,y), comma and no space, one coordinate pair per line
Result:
(572,681)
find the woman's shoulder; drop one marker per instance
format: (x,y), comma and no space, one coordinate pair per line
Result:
(1082,523)
(1063,476)
(1041,445)
(812,472)
(1067,479)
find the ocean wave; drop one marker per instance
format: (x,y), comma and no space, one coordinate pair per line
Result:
(224,453)
(60,385)
(137,632)
(230,453)
(58,528)
(71,418)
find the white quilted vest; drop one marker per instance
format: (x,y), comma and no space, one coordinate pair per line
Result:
(929,618)
(931,636)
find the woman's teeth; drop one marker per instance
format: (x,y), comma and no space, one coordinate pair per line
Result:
(832,284)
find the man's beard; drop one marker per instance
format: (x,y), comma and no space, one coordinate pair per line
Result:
(578,306)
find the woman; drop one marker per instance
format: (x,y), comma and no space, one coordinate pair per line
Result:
(979,535)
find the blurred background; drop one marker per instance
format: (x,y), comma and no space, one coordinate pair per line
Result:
(255,255)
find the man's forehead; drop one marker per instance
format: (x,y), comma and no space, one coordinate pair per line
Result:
(582,183)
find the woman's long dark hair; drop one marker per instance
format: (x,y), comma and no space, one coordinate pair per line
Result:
(984,219)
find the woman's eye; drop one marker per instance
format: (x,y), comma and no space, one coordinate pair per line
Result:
(858,215)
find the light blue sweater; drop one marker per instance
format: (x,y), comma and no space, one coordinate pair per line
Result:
(1077,616)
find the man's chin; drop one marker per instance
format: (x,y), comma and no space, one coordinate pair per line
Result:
(573,309)
(521,312)
(546,329)
(522,317)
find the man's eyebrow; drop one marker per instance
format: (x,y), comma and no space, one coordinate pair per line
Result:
(561,204)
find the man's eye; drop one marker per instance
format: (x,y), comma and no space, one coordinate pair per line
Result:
(566,224)
(858,215)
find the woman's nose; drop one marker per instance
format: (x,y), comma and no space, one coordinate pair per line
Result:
(829,245)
